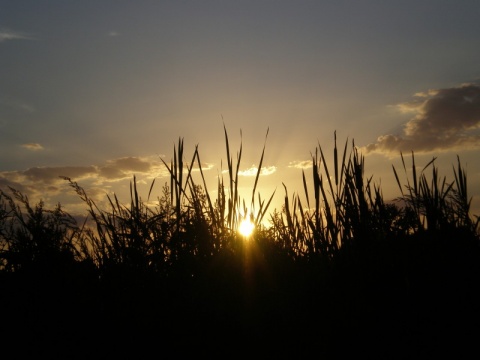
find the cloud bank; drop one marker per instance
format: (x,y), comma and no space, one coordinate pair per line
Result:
(48,184)
(443,120)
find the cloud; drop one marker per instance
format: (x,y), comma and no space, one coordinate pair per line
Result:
(268,170)
(443,120)
(10,181)
(50,175)
(112,177)
(33,146)
(114,170)
(13,35)
(252,171)
(300,164)
(47,183)
(33,189)
(124,167)
(113,33)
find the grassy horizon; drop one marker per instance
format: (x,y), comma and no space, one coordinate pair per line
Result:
(337,259)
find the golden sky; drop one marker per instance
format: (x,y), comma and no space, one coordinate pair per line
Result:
(100,91)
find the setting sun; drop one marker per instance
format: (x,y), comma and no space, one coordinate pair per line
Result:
(246,227)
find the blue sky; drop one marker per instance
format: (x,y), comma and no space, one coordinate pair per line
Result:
(101,90)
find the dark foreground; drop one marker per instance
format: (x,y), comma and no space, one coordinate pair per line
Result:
(400,300)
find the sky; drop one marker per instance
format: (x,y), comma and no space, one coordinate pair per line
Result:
(101,91)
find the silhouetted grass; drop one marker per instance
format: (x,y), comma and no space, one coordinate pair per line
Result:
(337,266)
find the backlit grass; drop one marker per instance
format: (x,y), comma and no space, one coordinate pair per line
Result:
(337,264)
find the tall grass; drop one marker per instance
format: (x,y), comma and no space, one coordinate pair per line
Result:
(187,225)
(345,207)
(435,204)
(34,236)
(337,263)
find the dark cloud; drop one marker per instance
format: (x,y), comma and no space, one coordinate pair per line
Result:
(114,170)
(444,120)
(53,174)
(112,173)
(124,167)
(46,183)
(34,191)
(132,164)
(5,183)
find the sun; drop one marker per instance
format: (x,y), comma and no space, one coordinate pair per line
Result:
(246,227)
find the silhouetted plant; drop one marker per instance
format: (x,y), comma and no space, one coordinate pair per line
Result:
(33,237)
(188,227)
(184,229)
(329,259)
(436,205)
(344,209)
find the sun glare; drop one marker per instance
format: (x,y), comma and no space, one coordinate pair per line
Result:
(246,227)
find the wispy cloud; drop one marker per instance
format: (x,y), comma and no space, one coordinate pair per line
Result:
(300,164)
(268,170)
(33,146)
(113,33)
(6,35)
(443,120)
(253,170)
